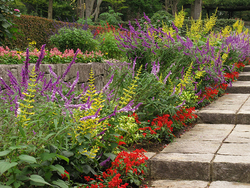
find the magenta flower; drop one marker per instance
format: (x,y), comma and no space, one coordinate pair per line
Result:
(17,10)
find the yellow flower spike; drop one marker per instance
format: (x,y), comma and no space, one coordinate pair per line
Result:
(210,23)
(89,126)
(29,95)
(186,80)
(179,19)
(127,93)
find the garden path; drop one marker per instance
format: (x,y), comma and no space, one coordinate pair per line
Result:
(216,152)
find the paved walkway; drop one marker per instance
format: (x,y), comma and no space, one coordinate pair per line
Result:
(216,152)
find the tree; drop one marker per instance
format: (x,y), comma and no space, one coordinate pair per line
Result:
(50,9)
(117,5)
(5,21)
(173,5)
(196,8)
(86,8)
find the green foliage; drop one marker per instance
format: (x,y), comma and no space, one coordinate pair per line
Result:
(220,23)
(88,21)
(109,46)
(73,38)
(137,7)
(112,17)
(161,16)
(117,4)
(5,21)
(36,29)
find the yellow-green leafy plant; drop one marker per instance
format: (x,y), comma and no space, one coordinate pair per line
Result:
(127,95)
(127,127)
(88,126)
(26,103)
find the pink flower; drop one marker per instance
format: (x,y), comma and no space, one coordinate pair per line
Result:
(17,10)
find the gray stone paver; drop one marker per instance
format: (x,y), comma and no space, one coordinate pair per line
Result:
(239,87)
(225,184)
(223,110)
(216,151)
(181,166)
(208,132)
(179,184)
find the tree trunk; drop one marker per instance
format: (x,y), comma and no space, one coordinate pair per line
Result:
(89,7)
(166,5)
(97,9)
(50,9)
(174,7)
(196,9)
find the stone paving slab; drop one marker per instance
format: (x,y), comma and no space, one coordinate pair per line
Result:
(240,134)
(226,184)
(186,146)
(246,68)
(243,116)
(208,132)
(179,184)
(223,110)
(239,87)
(231,168)
(181,166)
(235,149)
(244,76)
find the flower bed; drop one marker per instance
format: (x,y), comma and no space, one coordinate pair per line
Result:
(52,134)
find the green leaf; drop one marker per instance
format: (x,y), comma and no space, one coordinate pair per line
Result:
(58,168)
(67,153)
(87,169)
(62,157)
(4,153)
(21,131)
(49,135)
(55,123)
(4,166)
(4,186)
(46,156)
(27,158)
(111,155)
(38,179)
(60,183)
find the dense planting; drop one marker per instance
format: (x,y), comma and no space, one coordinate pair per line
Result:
(52,135)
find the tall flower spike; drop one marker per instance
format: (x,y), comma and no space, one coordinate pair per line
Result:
(25,70)
(40,58)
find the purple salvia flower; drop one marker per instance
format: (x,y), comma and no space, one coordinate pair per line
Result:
(52,72)
(173,91)
(199,93)
(146,17)
(101,133)
(34,132)
(7,86)
(25,70)
(165,80)
(105,88)
(40,58)
(175,28)
(73,85)
(105,163)
(72,62)
(181,104)
(201,100)
(92,116)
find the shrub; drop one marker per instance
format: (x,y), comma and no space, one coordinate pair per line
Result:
(161,16)
(112,17)
(108,45)
(73,39)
